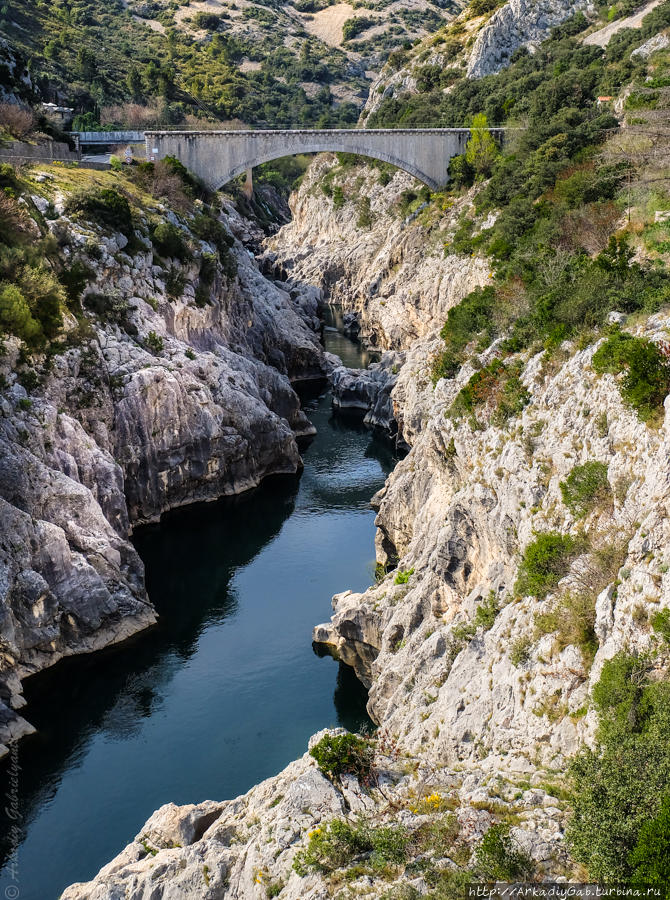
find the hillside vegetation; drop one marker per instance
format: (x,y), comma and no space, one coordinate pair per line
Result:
(192,63)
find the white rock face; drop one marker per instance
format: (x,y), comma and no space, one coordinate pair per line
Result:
(398,284)
(124,428)
(486,716)
(519,23)
(657,42)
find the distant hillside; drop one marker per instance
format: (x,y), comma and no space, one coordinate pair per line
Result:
(308,62)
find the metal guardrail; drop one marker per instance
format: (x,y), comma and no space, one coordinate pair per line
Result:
(138,137)
(364,131)
(108,137)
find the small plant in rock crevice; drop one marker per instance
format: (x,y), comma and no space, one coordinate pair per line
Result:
(154,343)
(403,577)
(585,488)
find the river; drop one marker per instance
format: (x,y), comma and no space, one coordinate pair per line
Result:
(226,689)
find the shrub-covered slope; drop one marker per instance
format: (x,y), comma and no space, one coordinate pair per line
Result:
(157,63)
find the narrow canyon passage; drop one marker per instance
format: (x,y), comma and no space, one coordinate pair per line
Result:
(226,690)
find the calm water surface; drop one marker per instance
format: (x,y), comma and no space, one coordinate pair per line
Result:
(226,690)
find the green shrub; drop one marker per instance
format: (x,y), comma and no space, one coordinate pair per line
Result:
(646,380)
(481,7)
(153,343)
(110,308)
(545,561)
(460,171)
(403,577)
(660,622)
(585,487)
(330,847)
(209,229)
(498,857)
(175,282)
(573,621)
(364,219)
(16,317)
(105,206)
(339,843)
(93,249)
(471,318)
(618,821)
(353,27)
(169,242)
(74,280)
(497,386)
(651,857)
(343,753)
(487,611)
(338,197)
(520,651)
(207,21)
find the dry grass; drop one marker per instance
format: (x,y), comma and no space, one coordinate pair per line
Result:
(16,120)
(13,216)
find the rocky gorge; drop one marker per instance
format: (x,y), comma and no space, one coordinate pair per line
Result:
(166,403)
(521,321)
(480,696)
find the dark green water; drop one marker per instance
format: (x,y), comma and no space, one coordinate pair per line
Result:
(226,690)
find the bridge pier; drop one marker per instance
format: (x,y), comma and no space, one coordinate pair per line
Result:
(248,186)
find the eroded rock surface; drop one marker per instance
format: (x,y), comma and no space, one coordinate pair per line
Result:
(163,402)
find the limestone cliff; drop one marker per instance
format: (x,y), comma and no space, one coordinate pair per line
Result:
(481,43)
(482,693)
(152,401)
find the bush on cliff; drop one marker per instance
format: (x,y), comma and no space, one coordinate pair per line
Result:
(585,487)
(651,857)
(341,754)
(497,387)
(619,827)
(646,371)
(15,315)
(105,206)
(499,858)
(169,242)
(340,843)
(545,561)
(471,319)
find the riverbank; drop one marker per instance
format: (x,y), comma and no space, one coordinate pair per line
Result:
(225,690)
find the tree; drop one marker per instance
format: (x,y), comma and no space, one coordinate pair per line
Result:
(86,63)
(15,315)
(481,149)
(619,826)
(134,83)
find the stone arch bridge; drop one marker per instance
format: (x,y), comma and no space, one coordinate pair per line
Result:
(218,156)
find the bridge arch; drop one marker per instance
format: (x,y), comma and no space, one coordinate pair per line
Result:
(218,156)
(379,155)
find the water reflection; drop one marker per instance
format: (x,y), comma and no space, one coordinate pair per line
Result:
(226,689)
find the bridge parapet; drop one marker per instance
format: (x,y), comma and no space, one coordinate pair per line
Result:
(109,137)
